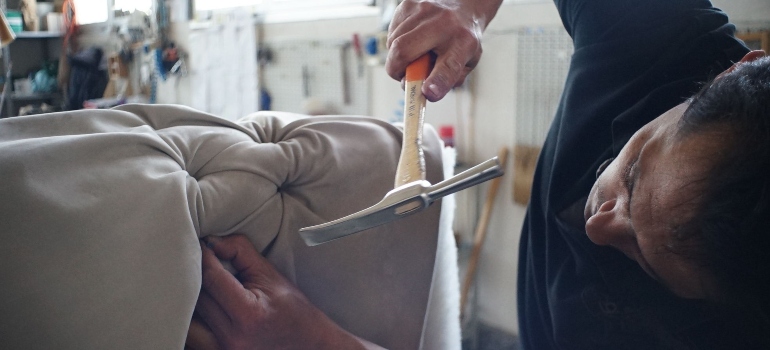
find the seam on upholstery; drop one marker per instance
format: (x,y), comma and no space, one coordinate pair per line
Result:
(240,224)
(208,161)
(200,210)
(248,215)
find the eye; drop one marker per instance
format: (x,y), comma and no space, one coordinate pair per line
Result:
(628,180)
(603,166)
(627,176)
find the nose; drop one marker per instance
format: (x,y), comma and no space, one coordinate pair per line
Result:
(609,225)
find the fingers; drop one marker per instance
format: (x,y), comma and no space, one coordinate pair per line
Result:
(237,249)
(200,337)
(452,34)
(225,291)
(212,313)
(449,71)
(413,37)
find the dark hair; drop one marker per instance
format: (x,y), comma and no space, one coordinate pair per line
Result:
(732,218)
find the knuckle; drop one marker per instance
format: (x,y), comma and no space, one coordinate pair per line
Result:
(390,70)
(396,51)
(396,60)
(423,6)
(240,239)
(447,18)
(409,4)
(389,39)
(469,38)
(284,292)
(454,65)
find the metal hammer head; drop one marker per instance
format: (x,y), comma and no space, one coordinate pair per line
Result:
(400,202)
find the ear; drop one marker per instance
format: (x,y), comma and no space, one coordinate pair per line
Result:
(751,56)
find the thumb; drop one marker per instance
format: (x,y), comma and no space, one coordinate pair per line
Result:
(238,250)
(449,70)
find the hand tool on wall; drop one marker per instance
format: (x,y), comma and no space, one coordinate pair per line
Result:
(345,77)
(412,193)
(481,232)
(356,42)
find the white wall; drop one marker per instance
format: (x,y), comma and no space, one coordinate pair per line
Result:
(746,14)
(495,127)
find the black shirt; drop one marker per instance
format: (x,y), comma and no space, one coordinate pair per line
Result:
(633,61)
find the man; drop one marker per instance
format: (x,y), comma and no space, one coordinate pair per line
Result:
(633,61)
(641,258)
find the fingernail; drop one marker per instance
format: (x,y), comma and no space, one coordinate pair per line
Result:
(211,241)
(435,90)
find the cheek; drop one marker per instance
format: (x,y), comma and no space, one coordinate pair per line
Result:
(603,190)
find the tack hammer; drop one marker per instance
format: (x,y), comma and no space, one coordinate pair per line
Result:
(412,193)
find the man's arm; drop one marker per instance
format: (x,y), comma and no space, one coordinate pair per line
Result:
(260,309)
(451,29)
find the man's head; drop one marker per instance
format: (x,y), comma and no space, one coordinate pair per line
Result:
(688,195)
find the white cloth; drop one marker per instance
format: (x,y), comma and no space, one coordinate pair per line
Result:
(102,210)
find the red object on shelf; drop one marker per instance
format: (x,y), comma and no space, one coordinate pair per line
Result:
(447,134)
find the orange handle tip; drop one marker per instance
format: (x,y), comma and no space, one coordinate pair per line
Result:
(418,70)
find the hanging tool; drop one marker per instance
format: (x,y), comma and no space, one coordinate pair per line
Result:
(344,70)
(305,81)
(356,42)
(412,192)
(481,232)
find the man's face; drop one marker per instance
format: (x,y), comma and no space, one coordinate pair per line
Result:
(648,191)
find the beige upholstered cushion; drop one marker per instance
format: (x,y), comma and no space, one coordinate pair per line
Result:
(102,210)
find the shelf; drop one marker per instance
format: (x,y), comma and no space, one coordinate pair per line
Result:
(38,35)
(35,96)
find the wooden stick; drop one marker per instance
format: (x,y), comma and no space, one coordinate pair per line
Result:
(481,231)
(411,163)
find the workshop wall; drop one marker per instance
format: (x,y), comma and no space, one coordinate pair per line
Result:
(496,91)
(220,71)
(385,95)
(747,14)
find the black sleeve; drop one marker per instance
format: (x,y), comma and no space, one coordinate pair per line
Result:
(633,60)
(593,21)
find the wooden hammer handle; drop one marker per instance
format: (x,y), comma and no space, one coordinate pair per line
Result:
(411,164)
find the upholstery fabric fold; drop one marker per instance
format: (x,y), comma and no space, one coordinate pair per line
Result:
(102,211)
